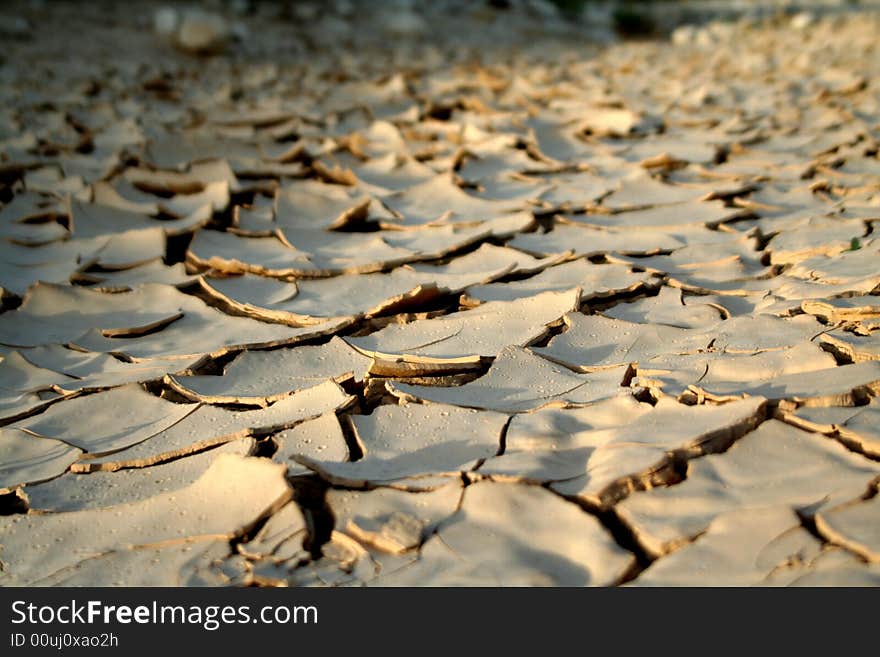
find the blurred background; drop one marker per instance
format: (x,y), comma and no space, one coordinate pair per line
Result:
(211,26)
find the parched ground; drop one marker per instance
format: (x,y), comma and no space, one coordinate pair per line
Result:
(446,296)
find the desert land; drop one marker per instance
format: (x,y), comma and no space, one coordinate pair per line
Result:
(447,294)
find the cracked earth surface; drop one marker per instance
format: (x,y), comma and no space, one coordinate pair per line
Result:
(355,304)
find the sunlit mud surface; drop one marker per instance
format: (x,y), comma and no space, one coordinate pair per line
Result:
(424,299)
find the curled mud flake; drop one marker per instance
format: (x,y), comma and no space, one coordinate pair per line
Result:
(320,439)
(518,381)
(598,283)
(853,526)
(748,547)
(728,375)
(775,463)
(258,378)
(28,458)
(639,455)
(109,421)
(469,334)
(551,542)
(412,441)
(208,426)
(848,347)
(594,342)
(75,492)
(230,496)
(667,308)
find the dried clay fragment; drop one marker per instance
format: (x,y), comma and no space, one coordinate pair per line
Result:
(514,535)
(231,495)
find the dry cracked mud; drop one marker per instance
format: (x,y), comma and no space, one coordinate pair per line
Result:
(364,299)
